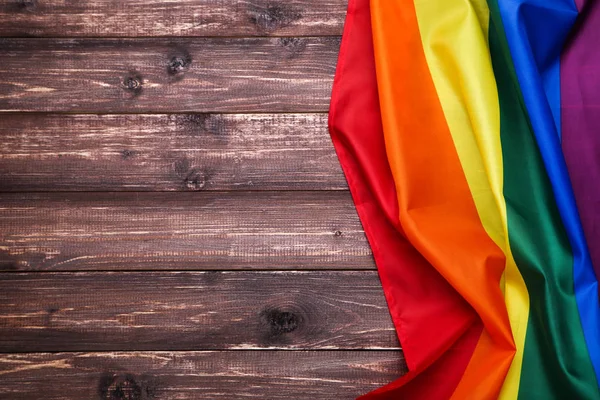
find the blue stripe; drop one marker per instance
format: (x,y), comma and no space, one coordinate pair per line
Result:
(536,31)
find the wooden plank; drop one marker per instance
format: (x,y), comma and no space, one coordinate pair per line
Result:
(197,375)
(137,18)
(167,75)
(158,152)
(93,311)
(181,230)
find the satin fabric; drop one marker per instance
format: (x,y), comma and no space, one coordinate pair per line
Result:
(580,83)
(436,327)
(542,250)
(440,217)
(454,35)
(535,48)
(459,180)
(580,80)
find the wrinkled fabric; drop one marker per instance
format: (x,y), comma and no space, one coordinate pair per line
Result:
(580,106)
(450,118)
(430,317)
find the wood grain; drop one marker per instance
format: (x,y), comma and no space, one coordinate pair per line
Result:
(137,18)
(158,152)
(236,310)
(167,75)
(197,375)
(170,136)
(181,230)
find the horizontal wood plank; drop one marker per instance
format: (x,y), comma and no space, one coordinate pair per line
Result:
(167,75)
(137,18)
(159,152)
(92,311)
(197,375)
(181,230)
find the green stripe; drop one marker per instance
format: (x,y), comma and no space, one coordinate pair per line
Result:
(556,363)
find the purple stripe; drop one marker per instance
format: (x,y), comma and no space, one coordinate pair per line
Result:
(580,112)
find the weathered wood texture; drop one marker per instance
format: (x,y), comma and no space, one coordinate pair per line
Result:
(151,152)
(167,75)
(137,18)
(301,375)
(181,152)
(193,311)
(181,230)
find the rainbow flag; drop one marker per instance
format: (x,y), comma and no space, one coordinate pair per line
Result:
(469,133)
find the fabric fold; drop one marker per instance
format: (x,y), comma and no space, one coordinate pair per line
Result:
(447,117)
(433,322)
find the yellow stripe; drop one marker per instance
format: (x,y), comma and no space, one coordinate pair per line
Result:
(455,39)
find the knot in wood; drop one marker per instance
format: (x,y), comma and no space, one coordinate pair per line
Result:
(26,4)
(177,65)
(127,154)
(293,46)
(338,233)
(132,83)
(282,321)
(120,387)
(195,180)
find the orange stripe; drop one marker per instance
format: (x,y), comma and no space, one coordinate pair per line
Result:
(485,373)
(437,210)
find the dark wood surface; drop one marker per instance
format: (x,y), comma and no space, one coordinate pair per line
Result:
(196,375)
(159,152)
(174,222)
(193,311)
(139,18)
(167,74)
(181,230)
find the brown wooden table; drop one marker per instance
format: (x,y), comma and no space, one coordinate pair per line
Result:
(174,223)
